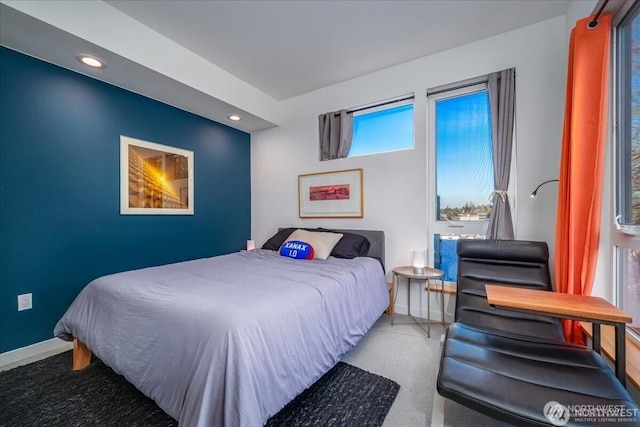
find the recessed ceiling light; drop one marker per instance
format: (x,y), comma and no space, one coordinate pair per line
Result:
(91,61)
(234,117)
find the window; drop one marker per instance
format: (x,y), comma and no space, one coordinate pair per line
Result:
(629,126)
(464,161)
(382,129)
(461,165)
(626,246)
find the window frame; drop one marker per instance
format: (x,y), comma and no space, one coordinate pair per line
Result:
(432,162)
(622,75)
(434,225)
(621,171)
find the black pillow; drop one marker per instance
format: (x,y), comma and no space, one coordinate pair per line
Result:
(274,243)
(350,246)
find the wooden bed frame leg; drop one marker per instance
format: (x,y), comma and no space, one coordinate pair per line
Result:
(81,355)
(389,310)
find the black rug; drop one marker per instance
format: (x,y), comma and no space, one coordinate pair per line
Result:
(49,393)
(344,396)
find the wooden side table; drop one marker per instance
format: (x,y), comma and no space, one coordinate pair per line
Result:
(595,310)
(428,275)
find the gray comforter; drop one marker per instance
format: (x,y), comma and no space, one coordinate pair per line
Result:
(230,340)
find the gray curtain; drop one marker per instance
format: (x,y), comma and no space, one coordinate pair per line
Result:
(336,131)
(502,96)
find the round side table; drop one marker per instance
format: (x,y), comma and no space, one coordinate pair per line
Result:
(427,275)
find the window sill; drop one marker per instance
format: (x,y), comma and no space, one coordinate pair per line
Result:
(608,345)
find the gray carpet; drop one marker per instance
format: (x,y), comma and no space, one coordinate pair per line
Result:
(49,393)
(456,415)
(404,354)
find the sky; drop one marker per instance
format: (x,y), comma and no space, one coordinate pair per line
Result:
(463,150)
(386,130)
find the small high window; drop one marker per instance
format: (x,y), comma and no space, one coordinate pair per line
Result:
(383,129)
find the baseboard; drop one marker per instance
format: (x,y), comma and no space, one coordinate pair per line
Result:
(33,352)
(436,315)
(437,411)
(419,306)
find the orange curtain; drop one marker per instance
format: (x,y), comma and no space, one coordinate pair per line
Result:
(582,163)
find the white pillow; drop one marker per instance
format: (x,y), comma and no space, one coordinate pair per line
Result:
(322,243)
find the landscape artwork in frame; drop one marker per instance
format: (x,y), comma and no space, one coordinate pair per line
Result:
(155,179)
(331,194)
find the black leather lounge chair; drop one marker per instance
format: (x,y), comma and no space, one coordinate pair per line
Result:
(510,365)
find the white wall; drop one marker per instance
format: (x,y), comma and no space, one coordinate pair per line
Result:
(395,184)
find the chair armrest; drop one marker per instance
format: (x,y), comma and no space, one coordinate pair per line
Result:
(555,304)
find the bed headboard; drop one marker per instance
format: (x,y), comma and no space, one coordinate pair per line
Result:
(376,239)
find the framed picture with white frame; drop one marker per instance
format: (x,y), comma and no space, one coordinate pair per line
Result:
(155,179)
(331,194)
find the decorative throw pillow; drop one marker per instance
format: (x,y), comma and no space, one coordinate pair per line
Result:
(274,243)
(297,250)
(350,246)
(323,243)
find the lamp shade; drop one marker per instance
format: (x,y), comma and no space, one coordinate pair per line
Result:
(251,245)
(419,261)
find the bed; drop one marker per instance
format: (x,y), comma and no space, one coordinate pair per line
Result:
(228,340)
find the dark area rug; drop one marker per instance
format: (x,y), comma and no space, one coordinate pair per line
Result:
(344,396)
(49,393)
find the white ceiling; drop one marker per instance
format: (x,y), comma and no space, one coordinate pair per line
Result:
(215,58)
(286,48)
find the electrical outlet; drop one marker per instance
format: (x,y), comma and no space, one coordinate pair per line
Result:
(24,302)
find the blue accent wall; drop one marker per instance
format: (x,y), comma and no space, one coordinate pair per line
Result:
(60,222)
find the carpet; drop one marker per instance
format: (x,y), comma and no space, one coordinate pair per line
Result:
(49,393)
(456,415)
